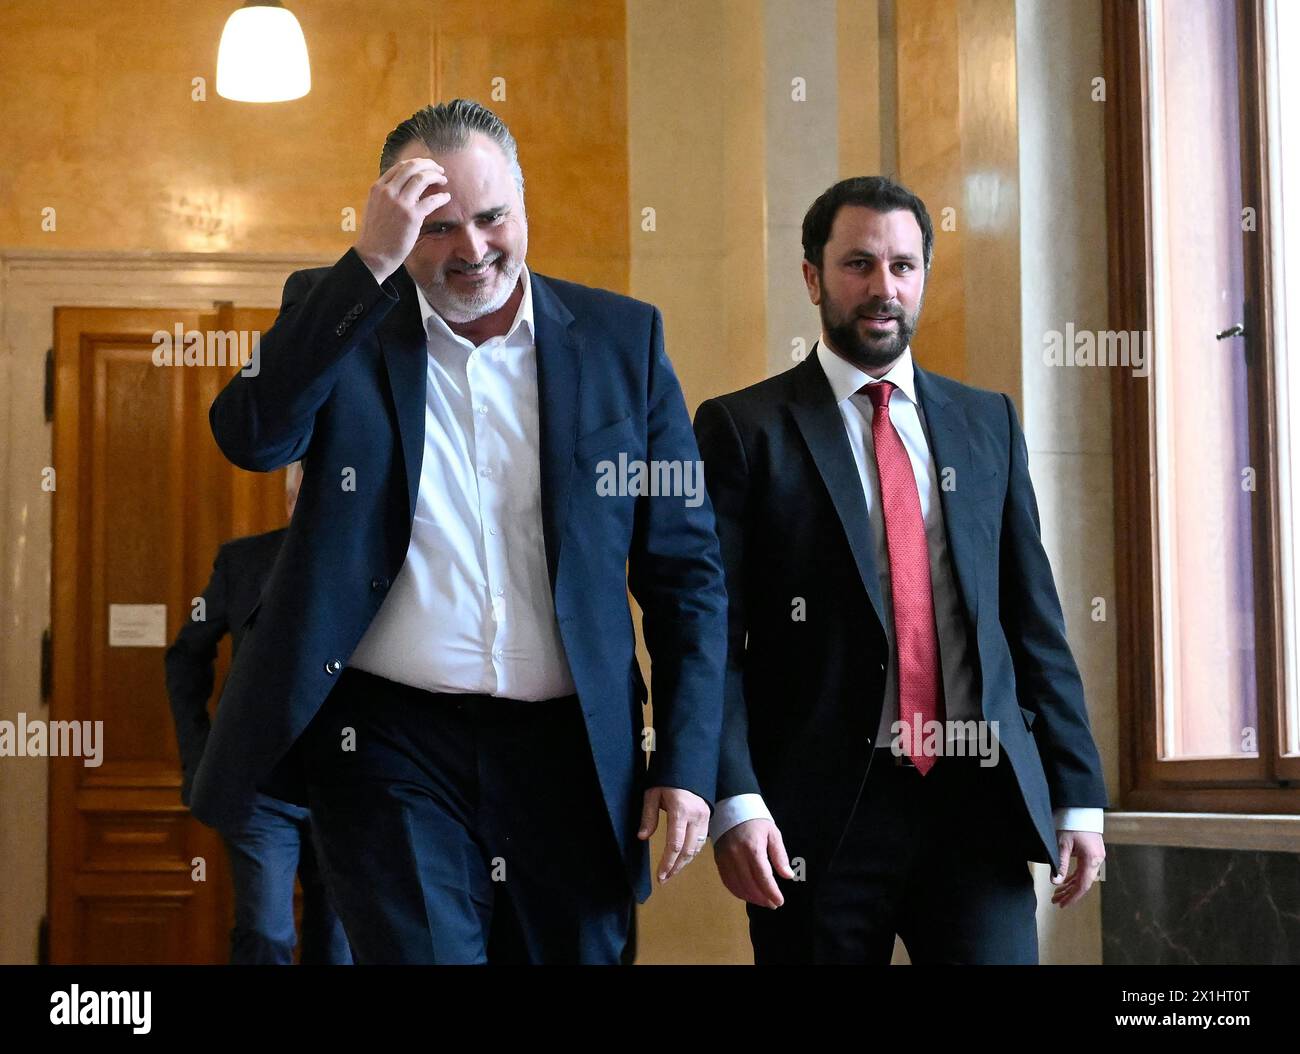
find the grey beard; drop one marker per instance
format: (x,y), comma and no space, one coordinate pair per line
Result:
(457,309)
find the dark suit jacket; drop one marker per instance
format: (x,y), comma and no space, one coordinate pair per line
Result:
(238,574)
(803,698)
(342,385)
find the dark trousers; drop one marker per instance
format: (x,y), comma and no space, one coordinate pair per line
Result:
(265,853)
(939,860)
(463,828)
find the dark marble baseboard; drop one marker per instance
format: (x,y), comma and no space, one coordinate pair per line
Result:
(1163,906)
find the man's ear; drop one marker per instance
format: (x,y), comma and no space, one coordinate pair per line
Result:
(813,280)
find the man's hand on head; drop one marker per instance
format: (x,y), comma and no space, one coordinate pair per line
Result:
(400,201)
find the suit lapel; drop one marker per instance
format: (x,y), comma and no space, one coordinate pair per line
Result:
(405,348)
(559,369)
(950,447)
(822,427)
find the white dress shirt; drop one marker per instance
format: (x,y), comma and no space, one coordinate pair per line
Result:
(471,608)
(960,701)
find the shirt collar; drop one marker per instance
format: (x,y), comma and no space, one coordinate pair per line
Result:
(846,379)
(435,324)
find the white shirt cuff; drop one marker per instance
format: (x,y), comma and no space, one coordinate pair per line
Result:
(736,809)
(1079,819)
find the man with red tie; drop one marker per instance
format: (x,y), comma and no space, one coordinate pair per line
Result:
(904,723)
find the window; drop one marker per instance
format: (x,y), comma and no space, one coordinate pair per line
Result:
(1203,140)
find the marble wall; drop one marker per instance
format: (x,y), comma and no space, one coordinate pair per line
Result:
(696,134)
(1166,905)
(1066,412)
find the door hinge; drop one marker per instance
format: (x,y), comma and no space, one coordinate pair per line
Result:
(49,385)
(47,666)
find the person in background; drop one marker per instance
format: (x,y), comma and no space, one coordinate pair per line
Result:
(274,842)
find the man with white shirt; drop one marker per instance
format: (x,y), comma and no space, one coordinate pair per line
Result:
(886,577)
(443,664)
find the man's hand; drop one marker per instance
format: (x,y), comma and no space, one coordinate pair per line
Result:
(1088,847)
(399,201)
(687,826)
(745,856)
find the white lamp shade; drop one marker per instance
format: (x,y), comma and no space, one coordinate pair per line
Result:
(263,57)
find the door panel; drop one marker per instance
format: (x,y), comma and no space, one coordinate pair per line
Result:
(142,499)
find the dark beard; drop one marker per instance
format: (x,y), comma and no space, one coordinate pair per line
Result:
(872,352)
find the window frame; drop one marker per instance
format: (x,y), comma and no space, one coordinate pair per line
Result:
(1269,782)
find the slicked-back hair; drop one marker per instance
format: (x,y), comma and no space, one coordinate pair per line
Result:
(446,128)
(873,192)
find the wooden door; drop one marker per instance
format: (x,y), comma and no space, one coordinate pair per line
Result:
(142,500)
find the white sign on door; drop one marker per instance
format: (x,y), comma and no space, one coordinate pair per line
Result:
(137,625)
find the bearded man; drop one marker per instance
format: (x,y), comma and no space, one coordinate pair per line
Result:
(904,724)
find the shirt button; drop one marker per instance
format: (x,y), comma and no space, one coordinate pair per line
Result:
(492,531)
(333,666)
(482,409)
(499,654)
(500,592)
(485,472)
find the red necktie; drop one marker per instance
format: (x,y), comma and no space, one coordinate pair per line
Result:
(915,636)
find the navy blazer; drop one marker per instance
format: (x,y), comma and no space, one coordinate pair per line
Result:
(341,384)
(803,697)
(239,572)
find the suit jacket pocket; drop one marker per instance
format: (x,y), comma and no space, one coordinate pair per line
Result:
(606,441)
